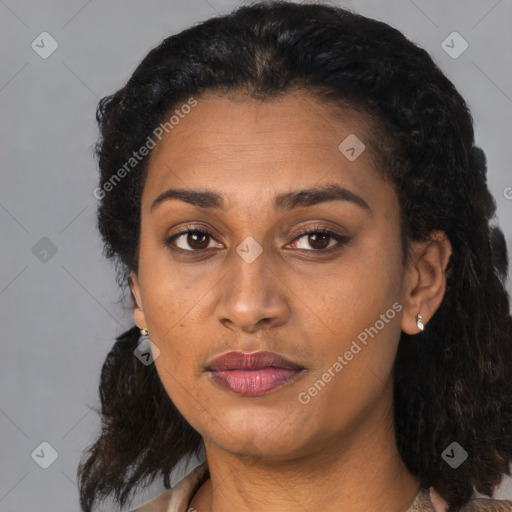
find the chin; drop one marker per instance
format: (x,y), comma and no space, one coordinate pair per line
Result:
(269,435)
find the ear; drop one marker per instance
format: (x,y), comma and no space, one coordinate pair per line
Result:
(425,281)
(138,311)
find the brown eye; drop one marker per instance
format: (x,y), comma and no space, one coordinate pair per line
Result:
(319,240)
(192,240)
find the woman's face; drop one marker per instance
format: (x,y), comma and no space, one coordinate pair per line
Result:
(331,304)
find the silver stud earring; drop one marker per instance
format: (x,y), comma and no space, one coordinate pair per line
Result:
(144,332)
(419,322)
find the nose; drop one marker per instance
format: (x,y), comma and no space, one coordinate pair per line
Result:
(251,295)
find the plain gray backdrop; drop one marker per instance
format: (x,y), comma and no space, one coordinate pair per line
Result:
(59,304)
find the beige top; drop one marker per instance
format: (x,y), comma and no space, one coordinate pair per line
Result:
(179,497)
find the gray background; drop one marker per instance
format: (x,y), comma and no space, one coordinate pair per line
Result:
(60,312)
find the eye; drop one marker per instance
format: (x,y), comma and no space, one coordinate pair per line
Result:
(320,240)
(192,240)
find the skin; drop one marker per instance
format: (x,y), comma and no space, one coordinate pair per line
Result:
(272,452)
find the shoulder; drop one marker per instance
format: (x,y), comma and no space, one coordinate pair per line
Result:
(487,505)
(158,504)
(178,498)
(473,505)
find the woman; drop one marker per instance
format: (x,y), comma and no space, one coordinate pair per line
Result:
(293,195)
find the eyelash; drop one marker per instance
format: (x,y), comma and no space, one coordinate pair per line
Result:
(342,240)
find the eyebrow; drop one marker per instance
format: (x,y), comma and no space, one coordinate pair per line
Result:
(283,202)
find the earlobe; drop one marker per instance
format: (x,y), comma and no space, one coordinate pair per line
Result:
(425,281)
(138,310)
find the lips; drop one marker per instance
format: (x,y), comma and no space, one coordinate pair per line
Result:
(254,361)
(253,374)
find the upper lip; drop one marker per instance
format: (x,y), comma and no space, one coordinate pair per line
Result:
(253,361)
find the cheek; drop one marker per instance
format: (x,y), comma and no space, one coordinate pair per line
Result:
(169,298)
(363,310)
(364,285)
(358,352)
(178,365)
(172,313)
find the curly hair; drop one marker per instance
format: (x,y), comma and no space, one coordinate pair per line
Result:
(451,381)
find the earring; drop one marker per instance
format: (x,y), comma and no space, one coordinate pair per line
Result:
(144,332)
(419,322)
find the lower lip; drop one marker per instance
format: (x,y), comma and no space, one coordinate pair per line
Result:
(254,382)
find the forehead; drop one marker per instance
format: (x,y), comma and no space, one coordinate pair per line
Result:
(234,143)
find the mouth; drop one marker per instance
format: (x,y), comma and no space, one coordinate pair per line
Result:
(253,374)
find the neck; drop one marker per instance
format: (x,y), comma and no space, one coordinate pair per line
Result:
(361,471)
